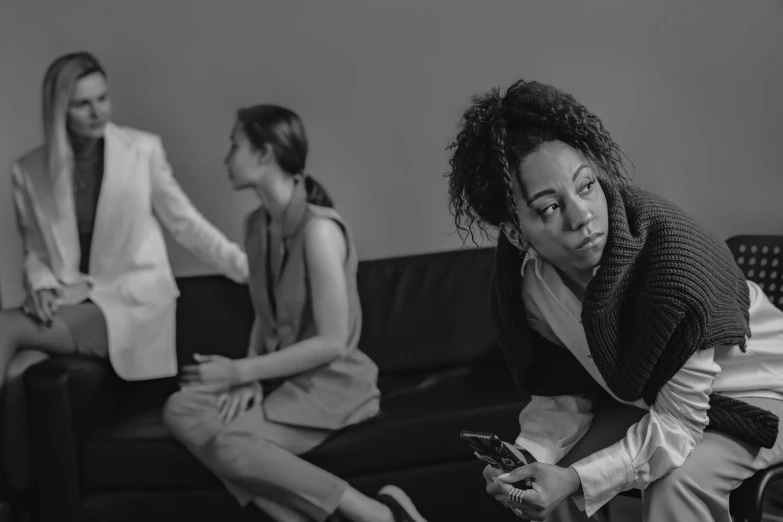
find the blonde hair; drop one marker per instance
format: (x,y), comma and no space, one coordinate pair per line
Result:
(58,85)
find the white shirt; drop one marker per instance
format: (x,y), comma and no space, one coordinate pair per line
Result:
(673,426)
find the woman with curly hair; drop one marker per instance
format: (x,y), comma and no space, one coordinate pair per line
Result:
(651,362)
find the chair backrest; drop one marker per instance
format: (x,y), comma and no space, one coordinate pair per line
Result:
(761,259)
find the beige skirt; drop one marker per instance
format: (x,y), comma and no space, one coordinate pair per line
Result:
(87,327)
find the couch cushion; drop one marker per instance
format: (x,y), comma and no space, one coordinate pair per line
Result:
(426,311)
(420,422)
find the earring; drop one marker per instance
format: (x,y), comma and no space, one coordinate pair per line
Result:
(524,251)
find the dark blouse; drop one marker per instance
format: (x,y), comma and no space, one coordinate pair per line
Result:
(87,180)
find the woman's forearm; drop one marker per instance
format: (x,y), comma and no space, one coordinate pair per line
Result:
(301,357)
(188,226)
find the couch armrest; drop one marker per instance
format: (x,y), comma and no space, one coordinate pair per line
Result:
(67,397)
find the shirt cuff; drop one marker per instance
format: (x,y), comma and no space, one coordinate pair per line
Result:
(542,454)
(603,475)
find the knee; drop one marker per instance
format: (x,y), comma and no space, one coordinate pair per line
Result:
(181,410)
(21,362)
(172,412)
(10,329)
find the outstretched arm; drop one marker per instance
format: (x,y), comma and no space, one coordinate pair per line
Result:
(188,226)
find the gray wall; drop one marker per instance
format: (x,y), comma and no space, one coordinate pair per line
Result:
(690,89)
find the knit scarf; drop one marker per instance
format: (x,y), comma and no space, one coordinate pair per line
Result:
(665,288)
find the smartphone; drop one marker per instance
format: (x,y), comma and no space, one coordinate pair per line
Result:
(491,449)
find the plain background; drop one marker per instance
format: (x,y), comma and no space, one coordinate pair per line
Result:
(691,90)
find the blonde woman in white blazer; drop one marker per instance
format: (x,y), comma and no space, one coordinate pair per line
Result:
(89,205)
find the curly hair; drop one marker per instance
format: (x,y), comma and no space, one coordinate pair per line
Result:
(498,132)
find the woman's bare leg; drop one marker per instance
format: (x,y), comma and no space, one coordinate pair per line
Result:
(20,332)
(13,426)
(23,343)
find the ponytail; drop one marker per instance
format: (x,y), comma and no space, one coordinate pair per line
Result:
(316,193)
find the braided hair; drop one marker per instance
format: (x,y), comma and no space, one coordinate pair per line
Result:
(498,132)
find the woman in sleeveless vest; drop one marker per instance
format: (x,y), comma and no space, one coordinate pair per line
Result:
(89,205)
(651,362)
(304,376)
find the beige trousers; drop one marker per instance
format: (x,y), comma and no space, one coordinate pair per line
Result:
(697,491)
(256,458)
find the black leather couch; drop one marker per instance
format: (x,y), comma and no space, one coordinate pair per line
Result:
(101,451)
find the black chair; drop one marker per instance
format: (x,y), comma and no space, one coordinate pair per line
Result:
(761,259)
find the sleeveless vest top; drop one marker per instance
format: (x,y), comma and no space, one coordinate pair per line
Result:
(333,396)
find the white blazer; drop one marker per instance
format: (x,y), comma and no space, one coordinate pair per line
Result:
(131,278)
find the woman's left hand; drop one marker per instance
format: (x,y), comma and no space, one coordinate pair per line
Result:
(213,373)
(236,402)
(550,485)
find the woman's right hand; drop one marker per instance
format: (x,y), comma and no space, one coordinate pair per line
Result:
(490,474)
(41,306)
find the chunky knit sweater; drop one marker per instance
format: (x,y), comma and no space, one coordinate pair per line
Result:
(666,288)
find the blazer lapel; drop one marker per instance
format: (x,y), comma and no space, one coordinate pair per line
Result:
(119,162)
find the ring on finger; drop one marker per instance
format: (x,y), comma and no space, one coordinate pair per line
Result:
(517,494)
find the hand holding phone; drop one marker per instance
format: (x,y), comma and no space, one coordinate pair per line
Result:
(491,449)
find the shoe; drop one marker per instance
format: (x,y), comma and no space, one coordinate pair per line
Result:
(399,504)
